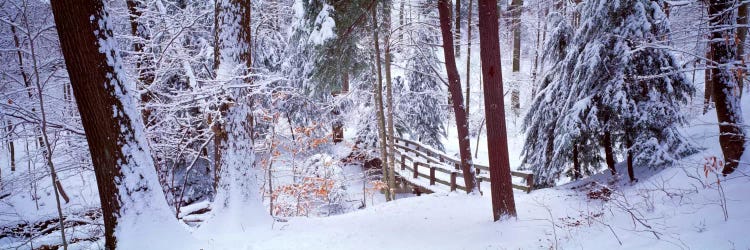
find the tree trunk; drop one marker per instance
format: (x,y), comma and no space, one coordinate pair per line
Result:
(379,104)
(503,203)
(708,82)
(11,147)
(457,27)
(537,47)
(609,154)
(454,86)
(389,97)
(56,186)
(741,37)
(726,89)
(629,146)
(122,167)
(401,20)
(233,46)
(41,138)
(468,60)
(515,95)
(576,163)
(217,31)
(143,59)
(338,127)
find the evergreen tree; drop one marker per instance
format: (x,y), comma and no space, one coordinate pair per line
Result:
(423,98)
(611,79)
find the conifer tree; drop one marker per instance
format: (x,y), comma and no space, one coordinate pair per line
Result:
(610,79)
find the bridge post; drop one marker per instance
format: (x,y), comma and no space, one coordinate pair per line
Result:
(530,182)
(403,162)
(432,175)
(453,181)
(416,172)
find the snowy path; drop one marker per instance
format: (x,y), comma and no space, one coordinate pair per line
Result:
(547,218)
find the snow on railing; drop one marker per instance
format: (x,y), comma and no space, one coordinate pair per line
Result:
(436,162)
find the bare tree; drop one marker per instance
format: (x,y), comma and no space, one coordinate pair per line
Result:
(379,104)
(454,87)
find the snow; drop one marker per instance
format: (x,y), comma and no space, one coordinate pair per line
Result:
(674,208)
(324,28)
(680,205)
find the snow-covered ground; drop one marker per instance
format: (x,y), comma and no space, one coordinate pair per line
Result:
(682,207)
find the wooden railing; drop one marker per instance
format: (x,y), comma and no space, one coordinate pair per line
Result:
(436,162)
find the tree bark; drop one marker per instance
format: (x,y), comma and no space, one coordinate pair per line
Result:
(454,86)
(708,82)
(232,46)
(389,97)
(143,59)
(457,27)
(503,202)
(609,154)
(515,95)
(379,104)
(338,127)
(726,89)
(576,163)
(93,67)
(629,146)
(11,147)
(741,37)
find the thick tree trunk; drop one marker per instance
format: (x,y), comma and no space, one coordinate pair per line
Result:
(515,95)
(389,97)
(122,166)
(379,104)
(726,89)
(503,203)
(233,47)
(454,86)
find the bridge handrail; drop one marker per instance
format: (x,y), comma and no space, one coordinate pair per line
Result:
(433,156)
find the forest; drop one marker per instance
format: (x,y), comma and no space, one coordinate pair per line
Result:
(374,124)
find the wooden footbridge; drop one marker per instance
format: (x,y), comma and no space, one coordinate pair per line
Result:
(427,170)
